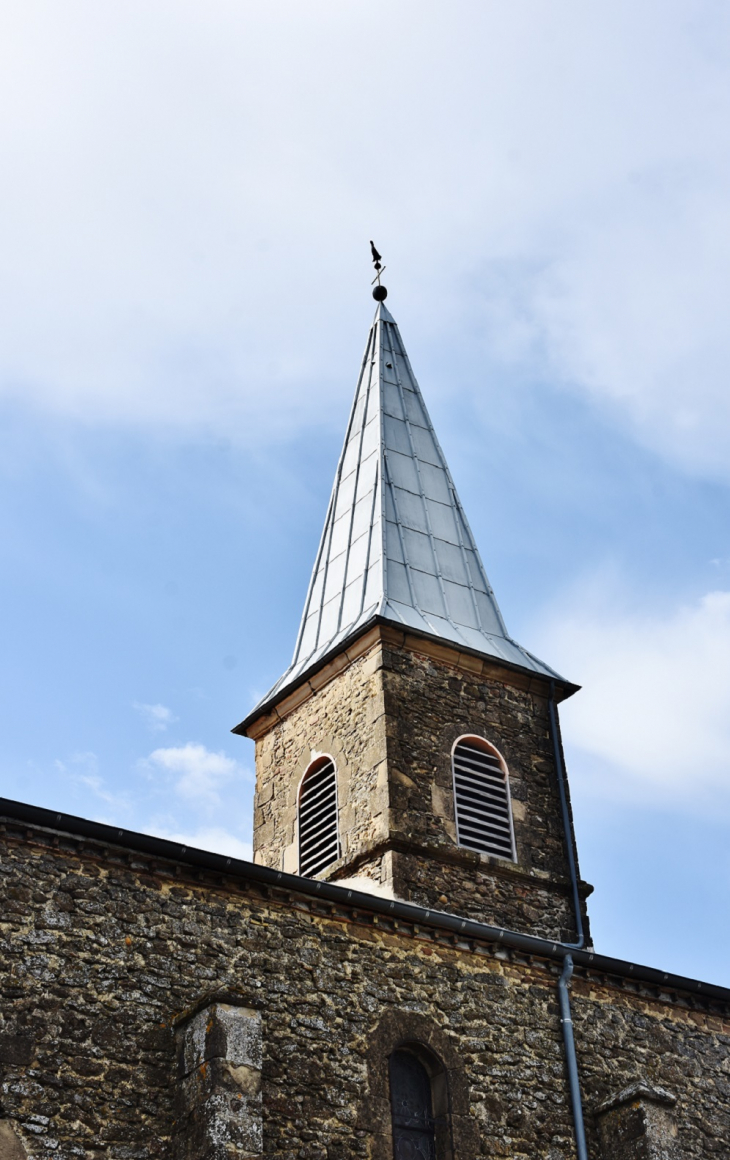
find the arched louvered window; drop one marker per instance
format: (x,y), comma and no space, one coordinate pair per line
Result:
(481,799)
(319,839)
(414,1126)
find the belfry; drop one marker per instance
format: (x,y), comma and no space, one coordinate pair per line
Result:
(412,745)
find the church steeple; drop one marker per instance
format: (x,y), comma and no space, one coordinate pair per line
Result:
(396,546)
(410,745)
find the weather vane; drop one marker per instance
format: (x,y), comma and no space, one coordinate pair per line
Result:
(379,292)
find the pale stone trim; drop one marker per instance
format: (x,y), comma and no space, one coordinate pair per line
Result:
(386,634)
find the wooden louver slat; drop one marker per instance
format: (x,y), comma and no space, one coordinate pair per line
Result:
(481,799)
(319,843)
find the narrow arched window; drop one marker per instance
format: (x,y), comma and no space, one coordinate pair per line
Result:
(481,799)
(319,839)
(414,1126)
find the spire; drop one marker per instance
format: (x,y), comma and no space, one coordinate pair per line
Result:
(396,544)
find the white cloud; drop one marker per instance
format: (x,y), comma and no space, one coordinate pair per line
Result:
(156,717)
(214,839)
(190,183)
(653,716)
(201,772)
(82,769)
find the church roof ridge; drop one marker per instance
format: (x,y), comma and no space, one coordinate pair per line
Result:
(396,544)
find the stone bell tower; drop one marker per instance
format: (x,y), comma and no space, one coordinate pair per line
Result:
(410,748)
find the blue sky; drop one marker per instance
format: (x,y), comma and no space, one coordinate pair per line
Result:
(186,298)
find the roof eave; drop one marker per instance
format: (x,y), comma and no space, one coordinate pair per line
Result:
(563,688)
(346,899)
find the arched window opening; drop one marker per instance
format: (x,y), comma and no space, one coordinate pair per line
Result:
(319,839)
(481,799)
(414,1125)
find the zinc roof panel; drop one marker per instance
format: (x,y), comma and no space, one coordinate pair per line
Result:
(358,411)
(392,404)
(358,558)
(335,577)
(328,624)
(352,602)
(370,436)
(475,638)
(403,471)
(396,435)
(418,550)
(374,584)
(388,368)
(415,410)
(404,612)
(427,592)
(460,604)
(476,573)
(362,516)
(488,614)
(451,562)
(410,512)
(393,548)
(352,453)
(367,475)
(435,482)
(442,520)
(345,494)
(340,536)
(398,586)
(439,626)
(425,445)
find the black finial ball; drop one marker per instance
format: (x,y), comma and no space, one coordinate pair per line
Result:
(380,293)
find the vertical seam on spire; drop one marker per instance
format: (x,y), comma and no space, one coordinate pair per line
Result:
(437,567)
(462,513)
(464,560)
(370,541)
(401,540)
(366,409)
(384,478)
(400,531)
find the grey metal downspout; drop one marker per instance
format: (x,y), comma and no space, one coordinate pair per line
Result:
(566,1021)
(567,828)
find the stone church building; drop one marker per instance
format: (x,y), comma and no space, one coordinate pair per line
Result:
(405,970)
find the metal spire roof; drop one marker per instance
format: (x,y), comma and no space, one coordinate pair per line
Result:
(396,544)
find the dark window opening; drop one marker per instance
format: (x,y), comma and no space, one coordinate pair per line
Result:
(414,1125)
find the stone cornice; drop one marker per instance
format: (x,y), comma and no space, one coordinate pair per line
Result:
(455,856)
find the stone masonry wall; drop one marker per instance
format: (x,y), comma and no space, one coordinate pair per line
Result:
(390,719)
(108,957)
(344,719)
(429,704)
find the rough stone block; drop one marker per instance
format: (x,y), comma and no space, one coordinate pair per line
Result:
(218,1097)
(638,1124)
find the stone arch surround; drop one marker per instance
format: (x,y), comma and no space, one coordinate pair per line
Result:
(411,1029)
